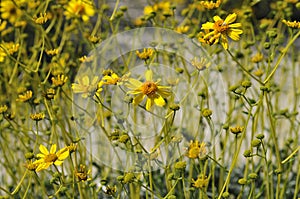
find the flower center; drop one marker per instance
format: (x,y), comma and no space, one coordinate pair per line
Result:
(149,88)
(51,158)
(220,26)
(79,9)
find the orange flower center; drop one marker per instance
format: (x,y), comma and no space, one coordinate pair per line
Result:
(50,158)
(149,88)
(220,26)
(79,9)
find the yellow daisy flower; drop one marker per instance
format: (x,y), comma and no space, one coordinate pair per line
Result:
(48,158)
(110,78)
(221,29)
(154,92)
(292,24)
(25,97)
(9,11)
(201,182)
(145,54)
(196,150)
(82,174)
(85,87)
(80,8)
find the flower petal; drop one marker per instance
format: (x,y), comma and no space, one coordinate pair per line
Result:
(159,101)
(43,150)
(58,162)
(149,75)
(207,25)
(230,18)
(217,18)
(149,103)
(53,149)
(138,99)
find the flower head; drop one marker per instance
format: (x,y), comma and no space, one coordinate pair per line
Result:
(221,29)
(10,11)
(196,150)
(37,116)
(82,174)
(25,97)
(201,182)
(59,81)
(48,158)
(292,24)
(3,109)
(154,92)
(86,87)
(32,166)
(109,77)
(146,54)
(79,8)
(43,18)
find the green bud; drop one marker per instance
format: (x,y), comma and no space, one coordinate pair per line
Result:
(171,176)
(225,194)
(171,197)
(179,70)
(123,8)
(298,6)
(267,45)
(174,107)
(242,181)
(225,126)
(247,153)
(128,178)
(123,138)
(255,143)
(278,171)
(206,112)
(29,155)
(260,136)
(252,176)
(120,178)
(246,84)
(233,87)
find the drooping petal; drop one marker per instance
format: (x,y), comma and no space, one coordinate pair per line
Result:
(53,149)
(234,35)
(230,18)
(63,155)
(217,18)
(133,83)
(149,75)
(149,103)
(138,99)
(224,42)
(159,101)
(207,26)
(235,25)
(58,162)
(43,150)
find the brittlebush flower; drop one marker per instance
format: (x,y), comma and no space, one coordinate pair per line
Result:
(32,166)
(10,11)
(220,30)
(37,116)
(48,158)
(80,8)
(154,92)
(110,78)
(8,47)
(292,24)
(145,54)
(201,182)
(196,150)
(82,174)
(59,80)
(86,87)
(25,97)
(210,4)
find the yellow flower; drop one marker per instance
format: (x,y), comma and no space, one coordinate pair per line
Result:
(2,25)
(86,59)
(146,54)
(154,92)
(110,77)
(48,158)
(8,47)
(31,165)
(85,87)
(3,109)
(59,81)
(72,147)
(80,8)
(82,173)
(201,64)
(258,57)
(37,116)
(201,182)
(10,11)
(52,52)
(25,97)
(43,18)
(210,4)
(182,29)
(221,29)
(291,24)
(196,150)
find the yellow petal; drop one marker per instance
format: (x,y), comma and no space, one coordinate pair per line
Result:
(53,149)
(149,75)
(207,26)
(138,99)
(58,162)
(224,42)
(217,18)
(43,150)
(235,25)
(149,103)
(85,81)
(63,155)
(230,18)
(159,101)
